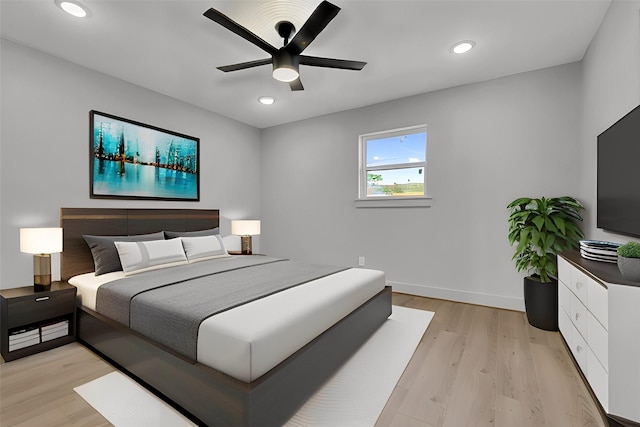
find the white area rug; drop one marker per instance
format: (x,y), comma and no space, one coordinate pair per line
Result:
(354,396)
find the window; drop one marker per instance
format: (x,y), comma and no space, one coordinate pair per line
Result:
(393,166)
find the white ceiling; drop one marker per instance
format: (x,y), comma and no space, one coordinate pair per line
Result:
(171,48)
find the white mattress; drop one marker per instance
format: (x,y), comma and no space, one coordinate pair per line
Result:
(248,341)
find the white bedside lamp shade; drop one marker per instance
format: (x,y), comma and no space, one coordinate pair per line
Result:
(245,228)
(41,242)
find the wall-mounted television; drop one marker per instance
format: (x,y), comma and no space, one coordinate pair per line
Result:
(619,176)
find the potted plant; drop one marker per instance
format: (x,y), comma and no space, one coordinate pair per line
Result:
(542,228)
(629,261)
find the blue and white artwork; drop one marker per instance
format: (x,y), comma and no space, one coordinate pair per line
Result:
(134,160)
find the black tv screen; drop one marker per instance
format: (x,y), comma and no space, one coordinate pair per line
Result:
(619,176)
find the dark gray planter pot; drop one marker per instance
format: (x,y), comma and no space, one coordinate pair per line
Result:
(630,268)
(541,303)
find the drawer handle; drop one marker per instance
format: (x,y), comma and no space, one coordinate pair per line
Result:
(579,348)
(42,299)
(578,285)
(577,316)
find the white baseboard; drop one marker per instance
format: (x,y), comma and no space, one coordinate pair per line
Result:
(478,298)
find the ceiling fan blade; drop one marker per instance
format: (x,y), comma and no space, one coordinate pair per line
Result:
(233,26)
(245,65)
(296,85)
(318,20)
(343,64)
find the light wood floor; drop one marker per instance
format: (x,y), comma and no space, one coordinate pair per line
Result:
(475,366)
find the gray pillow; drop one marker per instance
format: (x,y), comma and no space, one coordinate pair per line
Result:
(209,232)
(105,254)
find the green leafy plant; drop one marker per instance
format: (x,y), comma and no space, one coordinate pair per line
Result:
(542,228)
(629,250)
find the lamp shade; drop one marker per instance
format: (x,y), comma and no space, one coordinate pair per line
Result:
(245,227)
(41,240)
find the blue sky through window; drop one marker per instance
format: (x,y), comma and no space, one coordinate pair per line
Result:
(397,149)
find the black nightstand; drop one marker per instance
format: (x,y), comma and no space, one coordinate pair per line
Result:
(31,322)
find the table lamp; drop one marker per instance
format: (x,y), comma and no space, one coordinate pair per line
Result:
(245,229)
(41,242)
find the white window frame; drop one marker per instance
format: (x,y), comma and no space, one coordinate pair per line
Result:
(390,201)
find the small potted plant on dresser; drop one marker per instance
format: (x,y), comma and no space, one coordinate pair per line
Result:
(542,228)
(629,261)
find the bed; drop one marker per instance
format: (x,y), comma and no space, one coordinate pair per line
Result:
(243,389)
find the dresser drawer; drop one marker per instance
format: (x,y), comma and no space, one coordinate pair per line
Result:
(565,326)
(564,298)
(38,307)
(598,339)
(564,271)
(598,302)
(579,284)
(579,349)
(578,315)
(598,379)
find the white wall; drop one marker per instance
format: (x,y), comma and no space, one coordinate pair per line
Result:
(44,148)
(611,88)
(488,143)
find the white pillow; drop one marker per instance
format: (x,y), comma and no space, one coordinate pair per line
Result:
(137,257)
(202,248)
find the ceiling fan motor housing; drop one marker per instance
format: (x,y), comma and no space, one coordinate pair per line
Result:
(285,29)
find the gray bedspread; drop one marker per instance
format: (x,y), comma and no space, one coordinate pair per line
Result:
(168,305)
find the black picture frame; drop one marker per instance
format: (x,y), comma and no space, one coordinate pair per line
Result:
(133,160)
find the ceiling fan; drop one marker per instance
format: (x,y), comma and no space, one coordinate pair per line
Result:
(287,59)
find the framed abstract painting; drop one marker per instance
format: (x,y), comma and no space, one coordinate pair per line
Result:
(132,160)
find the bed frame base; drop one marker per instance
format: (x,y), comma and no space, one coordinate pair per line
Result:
(212,398)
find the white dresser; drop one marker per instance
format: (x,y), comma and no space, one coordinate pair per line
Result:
(599,319)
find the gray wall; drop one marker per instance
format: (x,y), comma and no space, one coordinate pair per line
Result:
(488,143)
(611,88)
(44,149)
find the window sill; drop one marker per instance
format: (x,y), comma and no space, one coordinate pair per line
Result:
(422,202)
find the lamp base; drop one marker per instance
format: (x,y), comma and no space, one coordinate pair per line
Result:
(245,244)
(41,272)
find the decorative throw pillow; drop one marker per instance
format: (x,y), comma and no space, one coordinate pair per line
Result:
(209,232)
(137,257)
(105,255)
(202,248)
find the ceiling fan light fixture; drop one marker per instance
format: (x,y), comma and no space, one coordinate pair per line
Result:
(73,8)
(462,47)
(285,74)
(285,66)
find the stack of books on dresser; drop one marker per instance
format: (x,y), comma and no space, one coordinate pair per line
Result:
(596,250)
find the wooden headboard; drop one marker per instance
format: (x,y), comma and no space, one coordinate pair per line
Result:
(76,257)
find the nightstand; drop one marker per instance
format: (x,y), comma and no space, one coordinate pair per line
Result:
(31,322)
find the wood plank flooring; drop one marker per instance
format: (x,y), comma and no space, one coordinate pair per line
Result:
(481,366)
(475,366)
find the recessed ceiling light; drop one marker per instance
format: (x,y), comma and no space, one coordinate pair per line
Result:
(463,46)
(73,8)
(266,100)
